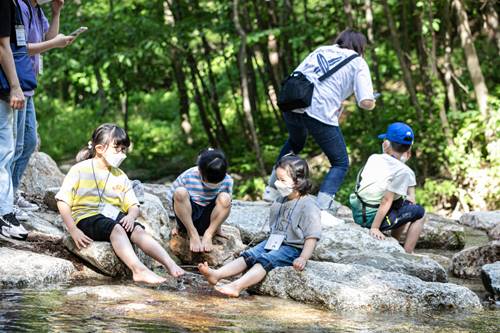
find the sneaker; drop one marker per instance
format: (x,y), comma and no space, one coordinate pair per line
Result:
(10,227)
(270,194)
(138,190)
(24,204)
(327,202)
(20,214)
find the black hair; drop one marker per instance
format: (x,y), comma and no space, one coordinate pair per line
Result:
(353,40)
(399,148)
(298,170)
(212,164)
(105,134)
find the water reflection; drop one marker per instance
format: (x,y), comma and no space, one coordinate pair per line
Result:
(130,308)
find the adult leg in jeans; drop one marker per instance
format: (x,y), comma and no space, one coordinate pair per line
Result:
(331,141)
(6,156)
(25,143)
(297,135)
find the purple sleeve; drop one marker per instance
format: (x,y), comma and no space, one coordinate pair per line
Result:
(45,22)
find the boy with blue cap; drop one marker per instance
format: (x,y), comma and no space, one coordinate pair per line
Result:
(384,198)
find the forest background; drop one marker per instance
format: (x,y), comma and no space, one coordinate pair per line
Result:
(183,75)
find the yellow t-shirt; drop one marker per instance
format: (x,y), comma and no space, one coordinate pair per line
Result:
(83,191)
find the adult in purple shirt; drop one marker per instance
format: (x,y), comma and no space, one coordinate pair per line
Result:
(41,37)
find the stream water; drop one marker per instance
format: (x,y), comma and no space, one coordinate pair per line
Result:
(131,308)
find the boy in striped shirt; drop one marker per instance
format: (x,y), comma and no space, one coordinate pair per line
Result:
(201,199)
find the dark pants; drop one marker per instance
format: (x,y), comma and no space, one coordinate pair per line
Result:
(330,140)
(100,227)
(401,212)
(201,216)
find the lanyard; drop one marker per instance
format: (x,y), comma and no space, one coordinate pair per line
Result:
(100,194)
(289,217)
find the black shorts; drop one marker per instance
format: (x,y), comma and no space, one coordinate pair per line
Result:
(401,212)
(99,227)
(200,216)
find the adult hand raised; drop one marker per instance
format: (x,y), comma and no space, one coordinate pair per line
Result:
(17,98)
(57,5)
(62,40)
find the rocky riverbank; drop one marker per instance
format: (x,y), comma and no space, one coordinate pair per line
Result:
(349,270)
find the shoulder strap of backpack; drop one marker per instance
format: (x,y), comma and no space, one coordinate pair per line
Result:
(339,66)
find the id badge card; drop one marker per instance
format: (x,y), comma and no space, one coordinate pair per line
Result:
(40,64)
(274,242)
(110,211)
(20,35)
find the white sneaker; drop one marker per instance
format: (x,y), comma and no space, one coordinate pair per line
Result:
(25,204)
(20,214)
(10,227)
(270,194)
(327,202)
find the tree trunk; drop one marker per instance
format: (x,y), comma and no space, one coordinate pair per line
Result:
(348,13)
(491,20)
(471,58)
(124,106)
(180,79)
(242,58)
(406,70)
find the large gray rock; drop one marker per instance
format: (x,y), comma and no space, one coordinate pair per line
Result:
(423,267)
(46,222)
(251,218)
(481,220)
(155,217)
(223,251)
(357,287)
(490,274)
(102,257)
(494,233)
(342,239)
(441,233)
(467,263)
(159,190)
(19,268)
(42,173)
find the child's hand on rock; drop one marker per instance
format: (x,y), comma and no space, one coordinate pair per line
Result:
(299,263)
(377,234)
(80,239)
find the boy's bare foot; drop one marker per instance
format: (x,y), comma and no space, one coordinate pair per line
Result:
(195,243)
(148,276)
(228,289)
(175,270)
(207,243)
(209,273)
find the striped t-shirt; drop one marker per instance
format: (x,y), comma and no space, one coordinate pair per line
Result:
(80,190)
(200,193)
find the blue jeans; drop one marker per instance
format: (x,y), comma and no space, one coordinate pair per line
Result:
(7,134)
(330,140)
(270,259)
(26,141)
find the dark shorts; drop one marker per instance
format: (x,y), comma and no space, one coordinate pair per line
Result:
(99,227)
(270,259)
(200,216)
(401,212)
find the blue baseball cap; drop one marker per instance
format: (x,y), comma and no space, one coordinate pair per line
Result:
(398,133)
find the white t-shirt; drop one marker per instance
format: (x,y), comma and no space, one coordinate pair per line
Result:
(382,173)
(329,94)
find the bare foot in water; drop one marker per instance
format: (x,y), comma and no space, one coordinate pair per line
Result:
(209,273)
(175,270)
(195,244)
(228,289)
(206,243)
(148,276)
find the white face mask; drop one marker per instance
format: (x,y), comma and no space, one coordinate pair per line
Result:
(114,159)
(283,188)
(404,158)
